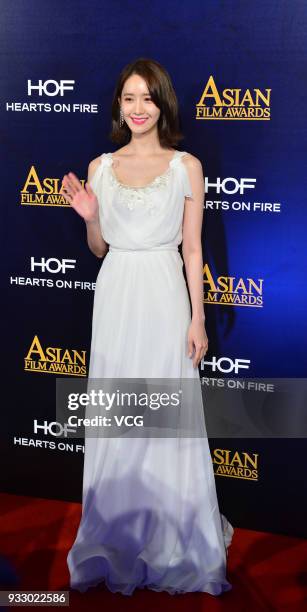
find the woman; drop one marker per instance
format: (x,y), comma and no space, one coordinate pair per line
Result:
(150,515)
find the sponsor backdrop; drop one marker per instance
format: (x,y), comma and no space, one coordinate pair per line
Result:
(239,73)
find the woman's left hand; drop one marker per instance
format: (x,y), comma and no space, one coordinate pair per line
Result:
(197,341)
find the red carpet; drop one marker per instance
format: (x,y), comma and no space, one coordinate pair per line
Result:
(267,572)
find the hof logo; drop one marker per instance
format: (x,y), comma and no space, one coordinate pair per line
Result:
(225,364)
(50,87)
(234,186)
(52,265)
(54,428)
(233,103)
(47,97)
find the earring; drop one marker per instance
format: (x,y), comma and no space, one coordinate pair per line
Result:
(121,118)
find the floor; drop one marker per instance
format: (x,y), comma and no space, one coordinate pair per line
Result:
(267,572)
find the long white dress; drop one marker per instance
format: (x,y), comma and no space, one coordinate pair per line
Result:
(150,515)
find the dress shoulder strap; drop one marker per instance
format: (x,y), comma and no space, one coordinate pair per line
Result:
(104,160)
(187,189)
(180,154)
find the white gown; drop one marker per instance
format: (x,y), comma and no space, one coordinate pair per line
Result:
(150,515)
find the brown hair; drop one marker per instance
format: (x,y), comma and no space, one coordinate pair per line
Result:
(163,95)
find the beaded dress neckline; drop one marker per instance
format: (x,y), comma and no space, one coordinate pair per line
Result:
(158,179)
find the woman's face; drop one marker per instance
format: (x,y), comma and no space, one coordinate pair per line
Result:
(136,103)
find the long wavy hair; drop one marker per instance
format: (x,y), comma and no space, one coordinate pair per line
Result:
(163,95)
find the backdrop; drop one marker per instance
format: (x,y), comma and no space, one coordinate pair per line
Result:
(239,71)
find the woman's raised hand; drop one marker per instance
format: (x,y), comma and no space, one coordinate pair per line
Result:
(82,199)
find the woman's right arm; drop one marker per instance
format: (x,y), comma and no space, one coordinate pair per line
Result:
(85,203)
(95,241)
